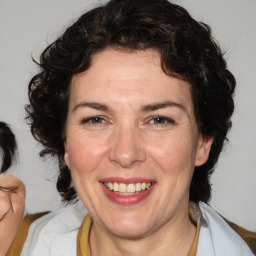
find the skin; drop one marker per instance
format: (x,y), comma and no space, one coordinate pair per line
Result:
(12,201)
(127,140)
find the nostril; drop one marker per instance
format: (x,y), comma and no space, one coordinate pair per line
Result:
(126,147)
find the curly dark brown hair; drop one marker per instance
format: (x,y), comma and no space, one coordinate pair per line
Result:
(187,51)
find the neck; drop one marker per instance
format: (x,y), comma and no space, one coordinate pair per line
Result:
(174,238)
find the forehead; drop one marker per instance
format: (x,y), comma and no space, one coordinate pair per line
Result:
(126,76)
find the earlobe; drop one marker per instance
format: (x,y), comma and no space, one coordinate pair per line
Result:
(66,158)
(203,150)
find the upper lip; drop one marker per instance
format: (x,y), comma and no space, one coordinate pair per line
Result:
(126,180)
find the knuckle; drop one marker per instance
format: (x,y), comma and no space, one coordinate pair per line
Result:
(5,206)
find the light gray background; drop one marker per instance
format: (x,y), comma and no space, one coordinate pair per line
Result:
(27,26)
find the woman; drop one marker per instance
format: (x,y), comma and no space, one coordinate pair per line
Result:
(135,100)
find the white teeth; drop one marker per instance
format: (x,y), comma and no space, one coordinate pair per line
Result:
(116,187)
(127,189)
(130,188)
(122,187)
(138,187)
(110,186)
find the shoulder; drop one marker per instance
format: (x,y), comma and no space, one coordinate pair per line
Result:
(55,233)
(216,237)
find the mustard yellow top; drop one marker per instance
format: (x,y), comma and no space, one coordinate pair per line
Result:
(83,248)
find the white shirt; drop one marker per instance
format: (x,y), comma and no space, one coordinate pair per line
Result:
(217,238)
(55,233)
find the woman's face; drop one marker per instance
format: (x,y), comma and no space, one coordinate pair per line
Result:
(132,143)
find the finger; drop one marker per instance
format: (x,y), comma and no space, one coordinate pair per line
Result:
(10,183)
(5,205)
(8,189)
(12,201)
(17,202)
(12,195)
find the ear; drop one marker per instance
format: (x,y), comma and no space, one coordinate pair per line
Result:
(66,157)
(203,150)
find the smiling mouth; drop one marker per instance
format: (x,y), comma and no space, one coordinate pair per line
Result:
(127,189)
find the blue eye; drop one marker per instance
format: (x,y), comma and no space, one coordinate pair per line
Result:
(160,120)
(94,120)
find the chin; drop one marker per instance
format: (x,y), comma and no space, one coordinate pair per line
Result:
(129,228)
(129,232)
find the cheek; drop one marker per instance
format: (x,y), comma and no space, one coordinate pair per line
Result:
(85,154)
(174,153)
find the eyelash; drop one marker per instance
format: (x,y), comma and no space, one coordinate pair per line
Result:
(161,120)
(94,120)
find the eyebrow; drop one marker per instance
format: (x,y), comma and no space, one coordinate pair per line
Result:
(93,105)
(161,105)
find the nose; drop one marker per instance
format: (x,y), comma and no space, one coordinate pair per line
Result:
(127,148)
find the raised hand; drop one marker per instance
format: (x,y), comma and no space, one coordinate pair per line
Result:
(12,201)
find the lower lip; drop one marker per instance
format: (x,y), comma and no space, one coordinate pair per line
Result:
(127,200)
